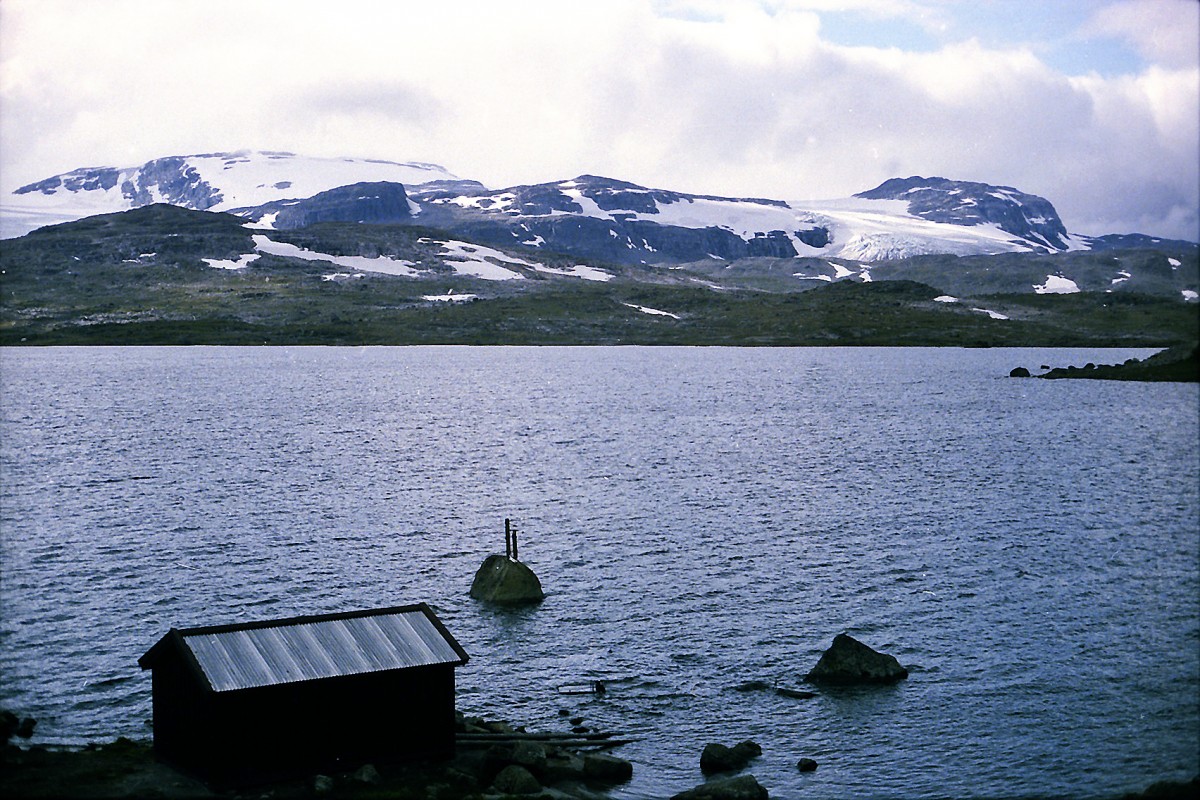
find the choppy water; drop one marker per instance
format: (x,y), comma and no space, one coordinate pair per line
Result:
(700,517)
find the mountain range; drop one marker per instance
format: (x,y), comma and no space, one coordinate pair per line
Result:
(339,220)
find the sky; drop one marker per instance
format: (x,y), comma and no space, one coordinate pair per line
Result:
(1092,104)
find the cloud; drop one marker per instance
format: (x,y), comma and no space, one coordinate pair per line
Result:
(740,98)
(1165,32)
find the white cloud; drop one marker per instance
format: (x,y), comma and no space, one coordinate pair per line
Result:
(741,98)
(1165,32)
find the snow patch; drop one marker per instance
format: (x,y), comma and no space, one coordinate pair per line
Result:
(1122,276)
(472,260)
(654,311)
(266,222)
(1174,262)
(448,297)
(382,264)
(839,271)
(992,314)
(241,263)
(577,271)
(945,299)
(1190,295)
(1057,284)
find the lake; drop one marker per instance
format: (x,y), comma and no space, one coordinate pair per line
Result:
(700,518)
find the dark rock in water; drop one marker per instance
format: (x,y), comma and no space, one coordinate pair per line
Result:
(806,765)
(604,768)
(515,779)
(502,580)
(849,661)
(752,686)
(1019,372)
(799,694)
(743,787)
(1168,790)
(719,758)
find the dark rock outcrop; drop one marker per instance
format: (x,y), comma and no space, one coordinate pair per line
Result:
(376,203)
(806,765)
(515,779)
(849,661)
(743,787)
(1179,364)
(719,758)
(604,768)
(1019,372)
(507,582)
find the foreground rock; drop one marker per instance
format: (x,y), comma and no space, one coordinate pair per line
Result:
(743,787)
(849,662)
(719,758)
(505,581)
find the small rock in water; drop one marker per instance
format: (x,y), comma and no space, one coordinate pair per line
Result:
(849,661)
(743,787)
(719,758)
(806,765)
(1019,372)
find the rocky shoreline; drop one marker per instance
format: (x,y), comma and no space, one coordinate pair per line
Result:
(1179,364)
(493,759)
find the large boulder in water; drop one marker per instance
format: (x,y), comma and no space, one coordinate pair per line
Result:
(849,661)
(502,580)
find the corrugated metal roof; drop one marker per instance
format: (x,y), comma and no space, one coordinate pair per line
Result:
(301,651)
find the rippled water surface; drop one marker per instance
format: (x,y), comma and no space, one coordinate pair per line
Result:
(700,518)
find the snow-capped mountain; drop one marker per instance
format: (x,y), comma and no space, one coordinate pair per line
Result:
(206,182)
(627,223)
(588,217)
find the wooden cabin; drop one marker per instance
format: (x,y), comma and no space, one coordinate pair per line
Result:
(256,701)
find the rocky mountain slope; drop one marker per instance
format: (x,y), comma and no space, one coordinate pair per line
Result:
(292,233)
(169,275)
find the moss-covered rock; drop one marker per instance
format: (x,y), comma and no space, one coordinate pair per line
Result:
(507,582)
